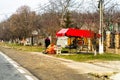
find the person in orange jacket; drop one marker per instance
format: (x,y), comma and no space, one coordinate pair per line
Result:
(51,49)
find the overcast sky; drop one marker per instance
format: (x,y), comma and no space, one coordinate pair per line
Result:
(8,7)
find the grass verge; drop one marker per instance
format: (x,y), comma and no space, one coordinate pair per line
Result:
(23,48)
(89,57)
(86,57)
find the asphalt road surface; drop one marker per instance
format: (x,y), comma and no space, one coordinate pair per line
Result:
(8,71)
(44,67)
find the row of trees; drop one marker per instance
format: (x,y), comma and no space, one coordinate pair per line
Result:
(57,14)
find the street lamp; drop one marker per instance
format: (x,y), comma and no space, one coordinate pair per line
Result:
(101,46)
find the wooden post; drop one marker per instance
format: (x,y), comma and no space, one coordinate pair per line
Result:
(89,44)
(116,42)
(107,39)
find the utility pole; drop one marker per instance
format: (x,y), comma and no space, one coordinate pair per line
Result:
(101,46)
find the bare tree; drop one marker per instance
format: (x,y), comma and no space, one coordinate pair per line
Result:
(23,22)
(110,7)
(65,6)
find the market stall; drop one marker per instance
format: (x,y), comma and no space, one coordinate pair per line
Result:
(83,36)
(72,32)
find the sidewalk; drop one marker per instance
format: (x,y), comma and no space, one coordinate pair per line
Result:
(108,69)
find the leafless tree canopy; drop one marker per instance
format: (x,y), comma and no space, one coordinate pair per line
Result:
(82,14)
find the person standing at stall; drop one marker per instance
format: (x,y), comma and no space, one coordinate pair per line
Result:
(47,42)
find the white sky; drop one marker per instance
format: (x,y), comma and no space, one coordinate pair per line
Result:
(8,7)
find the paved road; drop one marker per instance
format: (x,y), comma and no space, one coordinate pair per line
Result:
(45,68)
(8,71)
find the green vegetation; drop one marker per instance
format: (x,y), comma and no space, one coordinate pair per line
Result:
(80,57)
(23,48)
(89,57)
